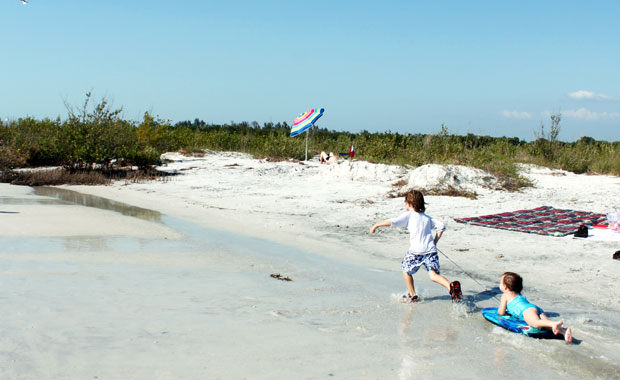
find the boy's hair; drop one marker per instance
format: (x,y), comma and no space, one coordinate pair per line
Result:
(416,200)
(513,282)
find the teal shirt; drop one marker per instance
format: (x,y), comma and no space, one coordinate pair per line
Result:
(518,305)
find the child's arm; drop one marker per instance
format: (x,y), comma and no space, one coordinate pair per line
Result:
(385,223)
(501,310)
(440,227)
(437,237)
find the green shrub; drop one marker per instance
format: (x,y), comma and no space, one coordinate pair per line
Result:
(97,136)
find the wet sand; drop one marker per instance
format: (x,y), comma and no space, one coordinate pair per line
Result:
(181,299)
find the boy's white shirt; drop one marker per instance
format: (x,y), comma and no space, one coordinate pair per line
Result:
(420,228)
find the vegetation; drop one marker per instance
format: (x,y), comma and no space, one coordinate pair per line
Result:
(97,138)
(69,176)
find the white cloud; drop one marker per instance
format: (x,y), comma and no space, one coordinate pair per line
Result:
(585,94)
(517,115)
(585,114)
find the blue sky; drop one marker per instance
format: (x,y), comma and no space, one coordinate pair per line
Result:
(487,67)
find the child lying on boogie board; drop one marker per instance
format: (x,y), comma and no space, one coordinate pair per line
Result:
(511,285)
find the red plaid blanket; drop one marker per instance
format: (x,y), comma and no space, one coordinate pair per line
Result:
(542,220)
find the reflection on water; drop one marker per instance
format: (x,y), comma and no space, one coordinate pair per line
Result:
(74,197)
(428,340)
(43,244)
(57,196)
(28,201)
(117,244)
(196,238)
(499,359)
(86,243)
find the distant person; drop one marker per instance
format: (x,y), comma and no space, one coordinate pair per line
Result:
(328,158)
(422,246)
(511,285)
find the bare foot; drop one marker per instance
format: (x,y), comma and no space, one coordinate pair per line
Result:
(556,327)
(568,335)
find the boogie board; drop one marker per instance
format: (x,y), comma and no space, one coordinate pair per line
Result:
(516,325)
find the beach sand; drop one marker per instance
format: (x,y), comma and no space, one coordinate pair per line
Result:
(221,315)
(328,209)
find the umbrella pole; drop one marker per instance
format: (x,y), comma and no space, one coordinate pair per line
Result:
(307,144)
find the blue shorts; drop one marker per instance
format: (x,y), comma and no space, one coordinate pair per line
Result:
(411,262)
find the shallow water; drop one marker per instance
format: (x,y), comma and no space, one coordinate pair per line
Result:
(205,306)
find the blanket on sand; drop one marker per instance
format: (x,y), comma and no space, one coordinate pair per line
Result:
(543,220)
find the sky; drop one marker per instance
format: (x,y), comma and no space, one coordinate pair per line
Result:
(492,68)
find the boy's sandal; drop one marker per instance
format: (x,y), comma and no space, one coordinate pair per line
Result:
(455,291)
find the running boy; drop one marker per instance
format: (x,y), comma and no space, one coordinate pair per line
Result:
(518,306)
(422,245)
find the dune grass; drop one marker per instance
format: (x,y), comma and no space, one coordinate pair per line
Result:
(96,137)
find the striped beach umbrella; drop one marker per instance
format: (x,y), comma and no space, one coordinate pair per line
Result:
(305,121)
